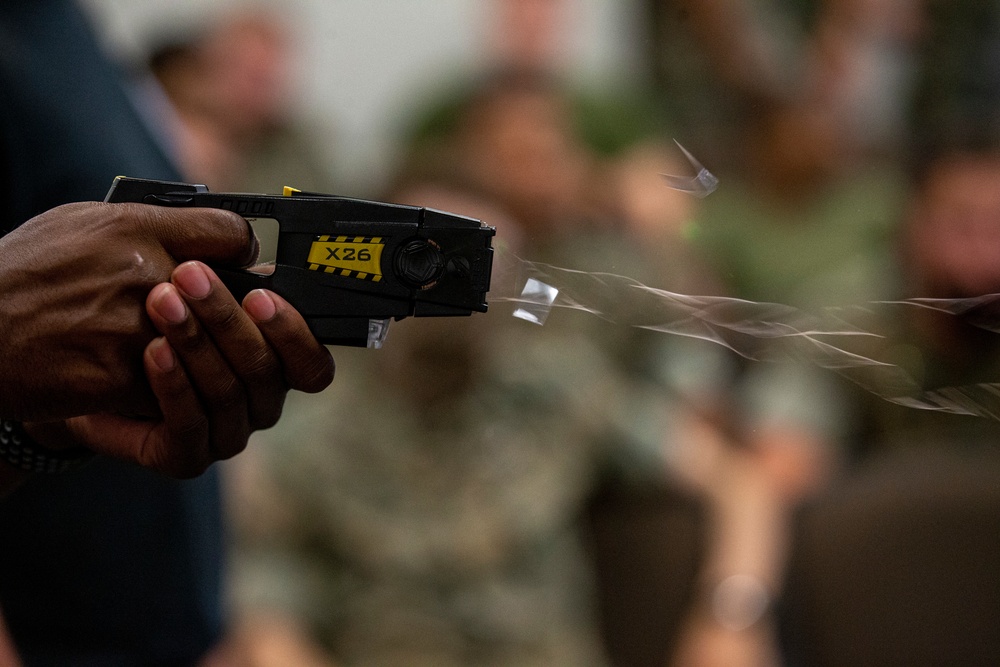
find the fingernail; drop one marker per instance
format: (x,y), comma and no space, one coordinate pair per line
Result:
(162,354)
(169,305)
(191,278)
(260,305)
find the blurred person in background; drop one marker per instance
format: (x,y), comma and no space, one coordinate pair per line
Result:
(948,250)
(731,69)
(797,107)
(915,525)
(432,516)
(811,189)
(947,247)
(232,85)
(628,222)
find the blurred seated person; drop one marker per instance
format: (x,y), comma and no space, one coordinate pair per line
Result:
(233,88)
(431,515)
(516,143)
(914,527)
(950,249)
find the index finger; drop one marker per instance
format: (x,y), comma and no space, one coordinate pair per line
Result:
(206,234)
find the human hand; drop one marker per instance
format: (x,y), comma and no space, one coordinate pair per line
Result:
(73,283)
(218,371)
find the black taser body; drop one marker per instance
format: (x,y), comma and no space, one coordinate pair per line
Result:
(349,266)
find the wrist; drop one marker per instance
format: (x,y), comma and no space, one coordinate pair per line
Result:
(19,450)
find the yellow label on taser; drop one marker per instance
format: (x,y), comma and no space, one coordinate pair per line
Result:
(351,256)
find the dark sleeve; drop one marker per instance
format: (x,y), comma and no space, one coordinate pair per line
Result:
(69,125)
(110,564)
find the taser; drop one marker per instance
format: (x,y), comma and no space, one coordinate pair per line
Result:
(349,266)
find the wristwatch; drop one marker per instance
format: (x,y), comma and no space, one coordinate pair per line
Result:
(20,451)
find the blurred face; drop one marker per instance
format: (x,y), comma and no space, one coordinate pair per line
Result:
(248,66)
(529,33)
(523,151)
(954,235)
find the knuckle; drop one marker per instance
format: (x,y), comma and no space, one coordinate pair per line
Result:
(229,437)
(261,366)
(192,429)
(174,389)
(231,448)
(219,312)
(230,327)
(227,394)
(238,230)
(179,457)
(269,414)
(187,337)
(228,315)
(317,373)
(234,222)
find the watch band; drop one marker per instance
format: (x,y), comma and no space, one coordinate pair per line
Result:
(20,451)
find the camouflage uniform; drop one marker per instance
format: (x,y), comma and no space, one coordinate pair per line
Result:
(414,526)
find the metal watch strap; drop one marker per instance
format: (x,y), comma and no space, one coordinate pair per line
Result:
(20,451)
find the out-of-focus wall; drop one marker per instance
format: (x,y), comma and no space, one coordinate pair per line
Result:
(365,63)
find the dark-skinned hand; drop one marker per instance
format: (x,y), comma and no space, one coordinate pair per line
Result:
(73,288)
(218,371)
(114,342)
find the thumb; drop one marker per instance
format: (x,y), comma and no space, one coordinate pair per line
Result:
(207,234)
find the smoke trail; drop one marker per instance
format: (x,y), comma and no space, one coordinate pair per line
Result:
(756,331)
